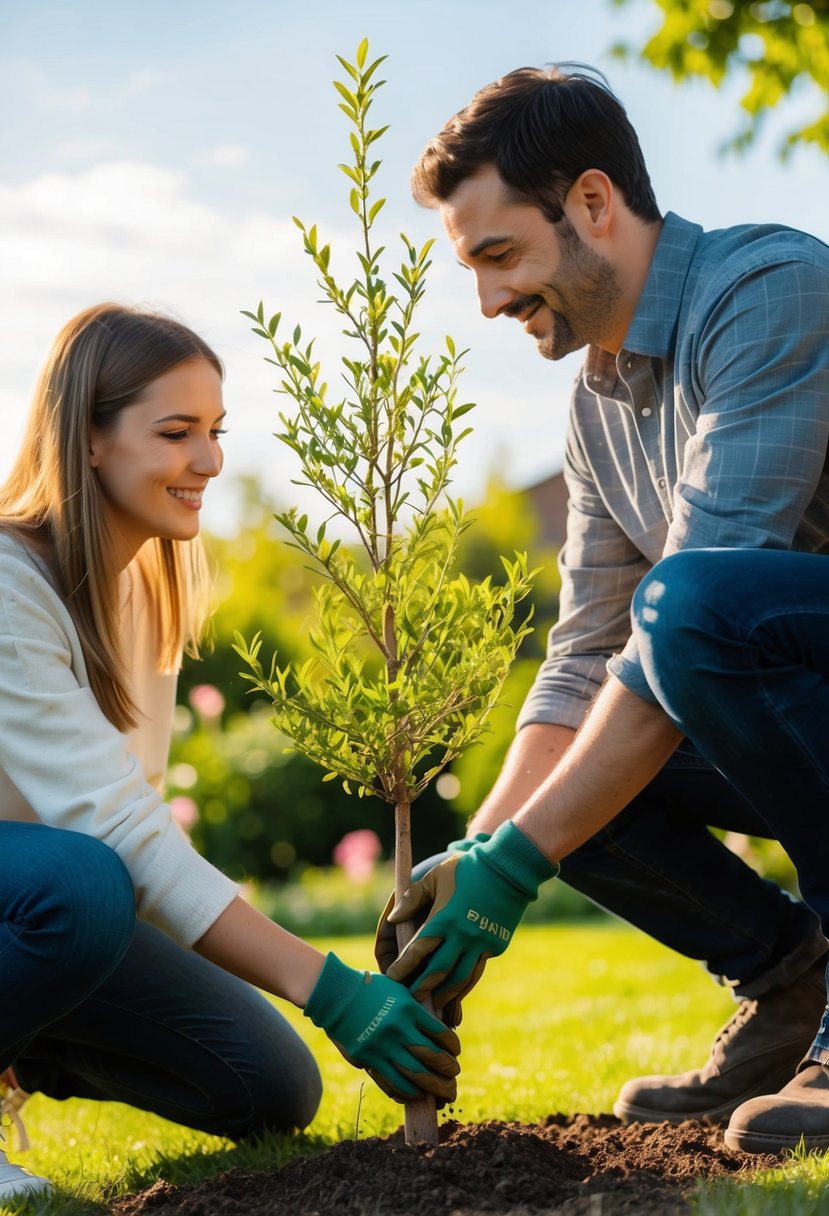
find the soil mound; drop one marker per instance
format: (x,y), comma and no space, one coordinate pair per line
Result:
(582,1165)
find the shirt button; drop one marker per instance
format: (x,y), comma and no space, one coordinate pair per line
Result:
(662,483)
(647,411)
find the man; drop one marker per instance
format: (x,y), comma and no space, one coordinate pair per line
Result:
(697,434)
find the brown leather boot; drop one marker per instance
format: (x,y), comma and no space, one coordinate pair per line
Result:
(800,1112)
(756,1052)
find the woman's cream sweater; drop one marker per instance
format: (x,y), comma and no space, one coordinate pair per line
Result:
(63,763)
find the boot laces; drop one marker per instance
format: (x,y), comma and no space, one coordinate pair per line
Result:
(742,1015)
(12,1098)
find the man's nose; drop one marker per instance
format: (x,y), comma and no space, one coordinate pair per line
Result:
(492,297)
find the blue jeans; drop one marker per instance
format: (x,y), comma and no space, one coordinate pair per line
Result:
(99,1005)
(735,646)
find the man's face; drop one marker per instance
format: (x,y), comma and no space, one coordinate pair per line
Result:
(562,291)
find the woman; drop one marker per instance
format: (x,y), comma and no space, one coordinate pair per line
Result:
(128,958)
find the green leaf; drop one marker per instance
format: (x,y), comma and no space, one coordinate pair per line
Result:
(375,209)
(346,94)
(362,51)
(353,73)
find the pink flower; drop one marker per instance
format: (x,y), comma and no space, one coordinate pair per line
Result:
(207,701)
(357,853)
(185,812)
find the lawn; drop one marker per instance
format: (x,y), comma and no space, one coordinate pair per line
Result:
(558,1023)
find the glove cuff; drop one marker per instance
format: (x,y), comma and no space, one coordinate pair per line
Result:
(332,991)
(513,854)
(468,842)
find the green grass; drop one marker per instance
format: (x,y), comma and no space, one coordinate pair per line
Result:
(557,1024)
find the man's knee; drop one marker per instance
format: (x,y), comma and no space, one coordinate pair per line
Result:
(669,600)
(681,621)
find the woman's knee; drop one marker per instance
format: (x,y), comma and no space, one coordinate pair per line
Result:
(288,1095)
(78,897)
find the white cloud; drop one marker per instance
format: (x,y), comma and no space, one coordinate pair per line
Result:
(85,148)
(74,97)
(224,156)
(141,81)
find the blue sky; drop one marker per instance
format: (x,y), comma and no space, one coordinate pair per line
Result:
(154,154)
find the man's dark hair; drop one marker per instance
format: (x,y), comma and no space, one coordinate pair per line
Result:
(541,128)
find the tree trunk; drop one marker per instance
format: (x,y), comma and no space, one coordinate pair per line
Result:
(421,1119)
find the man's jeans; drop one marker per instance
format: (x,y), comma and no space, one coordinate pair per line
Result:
(735,646)
(98,1005)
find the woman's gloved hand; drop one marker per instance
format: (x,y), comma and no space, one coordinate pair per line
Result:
(378,1025)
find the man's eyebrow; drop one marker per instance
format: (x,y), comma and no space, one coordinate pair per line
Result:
(483,245)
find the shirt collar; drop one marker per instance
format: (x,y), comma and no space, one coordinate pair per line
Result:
(653,328)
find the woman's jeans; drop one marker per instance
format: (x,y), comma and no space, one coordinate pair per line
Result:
(99,1005)
(735,647)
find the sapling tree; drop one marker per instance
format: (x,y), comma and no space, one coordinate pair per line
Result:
(408,655)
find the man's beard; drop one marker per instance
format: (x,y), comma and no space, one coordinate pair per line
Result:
(583,302)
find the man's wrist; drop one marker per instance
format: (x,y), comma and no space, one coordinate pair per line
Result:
(511,852)
(468,842)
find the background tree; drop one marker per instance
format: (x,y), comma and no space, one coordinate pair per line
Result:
(779,46)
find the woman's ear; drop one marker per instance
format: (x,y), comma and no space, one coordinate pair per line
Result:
(95,445)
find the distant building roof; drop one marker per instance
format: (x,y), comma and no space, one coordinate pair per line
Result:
(549,497)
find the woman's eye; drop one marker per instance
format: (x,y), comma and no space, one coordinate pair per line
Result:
(175,435)
(218,431)
(499,257)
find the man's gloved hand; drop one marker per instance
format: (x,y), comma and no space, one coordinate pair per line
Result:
(378,1025)
(474,900)
(386,949)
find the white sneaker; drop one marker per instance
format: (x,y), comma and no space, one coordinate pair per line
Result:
(14,1180)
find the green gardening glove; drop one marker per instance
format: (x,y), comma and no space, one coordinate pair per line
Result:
(386,949)
(385,941)
(475,901)
(378,1025)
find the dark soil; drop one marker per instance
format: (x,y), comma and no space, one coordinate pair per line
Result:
(582,1165)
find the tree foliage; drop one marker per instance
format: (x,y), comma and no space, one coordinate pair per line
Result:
(380,455)
(779,46)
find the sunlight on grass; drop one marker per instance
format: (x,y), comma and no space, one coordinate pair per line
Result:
(557,1025)
(801,1188)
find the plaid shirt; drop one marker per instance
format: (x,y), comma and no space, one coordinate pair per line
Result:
(709,428)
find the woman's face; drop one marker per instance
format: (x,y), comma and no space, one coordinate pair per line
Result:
(154,465)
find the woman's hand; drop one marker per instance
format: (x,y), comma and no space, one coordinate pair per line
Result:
(378,1025)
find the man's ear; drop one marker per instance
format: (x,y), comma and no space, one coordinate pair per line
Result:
(590,202)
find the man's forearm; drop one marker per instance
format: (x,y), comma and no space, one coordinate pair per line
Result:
(533,754)
(619,749)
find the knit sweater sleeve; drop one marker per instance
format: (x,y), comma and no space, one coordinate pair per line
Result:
(75,769)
